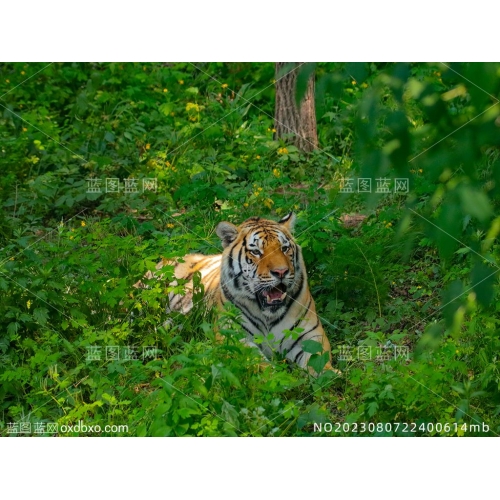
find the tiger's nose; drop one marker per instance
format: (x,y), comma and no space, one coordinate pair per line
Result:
(279,272)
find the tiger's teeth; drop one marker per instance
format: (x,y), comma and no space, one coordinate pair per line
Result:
(270,301)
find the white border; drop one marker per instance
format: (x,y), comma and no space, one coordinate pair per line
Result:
(364,30)
(264,468)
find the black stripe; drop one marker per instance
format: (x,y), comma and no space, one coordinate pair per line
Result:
(302,335)
(275,322)
(247,330)
(243,243)
(175,299)
(239,256)
(294,255)
(287,308)
(296,324)
(281,342)
(297,356)
(231,270)
(286,311)
(243,309)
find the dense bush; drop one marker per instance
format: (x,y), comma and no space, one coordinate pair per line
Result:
(418,276)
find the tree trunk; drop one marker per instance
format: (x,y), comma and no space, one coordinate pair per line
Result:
(300,121)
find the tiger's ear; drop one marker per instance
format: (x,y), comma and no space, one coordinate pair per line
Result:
(288,221)
(227,232)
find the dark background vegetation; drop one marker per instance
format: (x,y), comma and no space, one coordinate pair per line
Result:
(421,271)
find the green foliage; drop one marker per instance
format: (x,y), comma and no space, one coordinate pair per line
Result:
(420,272)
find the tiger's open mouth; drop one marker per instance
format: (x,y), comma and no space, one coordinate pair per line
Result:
(272,296)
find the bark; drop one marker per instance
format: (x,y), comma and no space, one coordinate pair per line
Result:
(300,121)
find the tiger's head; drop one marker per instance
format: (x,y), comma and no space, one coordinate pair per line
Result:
(261,262)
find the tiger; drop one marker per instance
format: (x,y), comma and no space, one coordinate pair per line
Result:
(262,272)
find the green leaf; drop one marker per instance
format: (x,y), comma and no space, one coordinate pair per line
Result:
(230,414)
(318,361)
(483,277)
(166,108)
(13,327)
(475,203)
(109,136)
(41,315)
(372,408)
(312,346)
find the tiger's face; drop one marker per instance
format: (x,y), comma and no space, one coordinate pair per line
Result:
(262,261)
